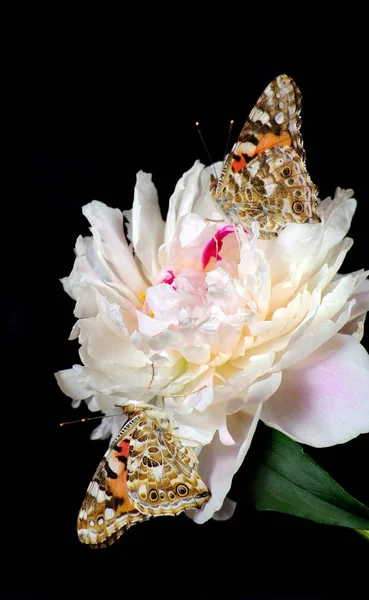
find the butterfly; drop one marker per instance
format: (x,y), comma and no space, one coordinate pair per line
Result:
(264,178)
(146,472)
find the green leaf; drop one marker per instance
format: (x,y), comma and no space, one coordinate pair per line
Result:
(287,480)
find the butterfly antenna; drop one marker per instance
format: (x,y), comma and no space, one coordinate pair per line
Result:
(185,395)
(88,419)
(150,383)
(206,148)
(118,414)
(228,138)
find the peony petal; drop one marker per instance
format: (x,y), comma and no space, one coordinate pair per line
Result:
(355,327)
(147,225)
(313,338)
(72,383)
(227,510)
(204,204)
(290,247)
(218,463)
(324,400)
(111,246)
(182,199)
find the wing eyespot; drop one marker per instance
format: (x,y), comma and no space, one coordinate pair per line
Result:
(286,172)
(298,207)
(182,490)
(153,495)
(290,181)
(297,193)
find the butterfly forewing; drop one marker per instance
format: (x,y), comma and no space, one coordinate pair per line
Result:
(252,187)
(106,511)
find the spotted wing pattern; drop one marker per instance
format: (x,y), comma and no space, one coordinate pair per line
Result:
(146,472)
(269,146)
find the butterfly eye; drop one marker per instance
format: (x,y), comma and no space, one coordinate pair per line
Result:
(153,495)
(297,194)
(182,490)
(298,207)
(291,181)
(286,172)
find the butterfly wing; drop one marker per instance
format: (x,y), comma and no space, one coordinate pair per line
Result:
(274,121)
(106,511)
(162,472)
(276,190)
(145,455)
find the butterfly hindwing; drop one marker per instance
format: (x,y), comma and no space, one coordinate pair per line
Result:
(162,472)
(146,472)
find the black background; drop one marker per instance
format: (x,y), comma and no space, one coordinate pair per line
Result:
(101,109)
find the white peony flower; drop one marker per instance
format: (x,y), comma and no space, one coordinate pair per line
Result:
(268,327)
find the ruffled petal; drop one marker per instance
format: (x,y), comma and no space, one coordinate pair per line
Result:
(111,248)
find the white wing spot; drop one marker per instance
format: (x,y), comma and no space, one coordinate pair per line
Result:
(260,115)
(109,514)
(281,105)
(158,472)
(94,489)
(100,521)
(100,496)
(248,148)
(279,118)
(92,523)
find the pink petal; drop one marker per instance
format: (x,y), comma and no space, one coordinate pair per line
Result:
(324,400)
(213,248)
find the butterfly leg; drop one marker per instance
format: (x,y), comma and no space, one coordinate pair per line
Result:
(208,221)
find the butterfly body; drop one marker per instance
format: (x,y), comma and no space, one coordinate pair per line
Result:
(264,178)
(146,472)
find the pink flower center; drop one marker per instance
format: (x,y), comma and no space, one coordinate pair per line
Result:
(166,276)
(213,248)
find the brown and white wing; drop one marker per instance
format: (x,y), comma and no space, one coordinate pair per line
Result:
(162,475)
(106,511)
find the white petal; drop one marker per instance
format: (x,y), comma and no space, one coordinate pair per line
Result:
(110,245)
(218,463)
(227,510)
(71,382)
(182,199)
(313,338)
(204,204)
(147,225)
(324,400)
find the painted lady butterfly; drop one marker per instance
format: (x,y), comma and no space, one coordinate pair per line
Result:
(264,178)
(146,472)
